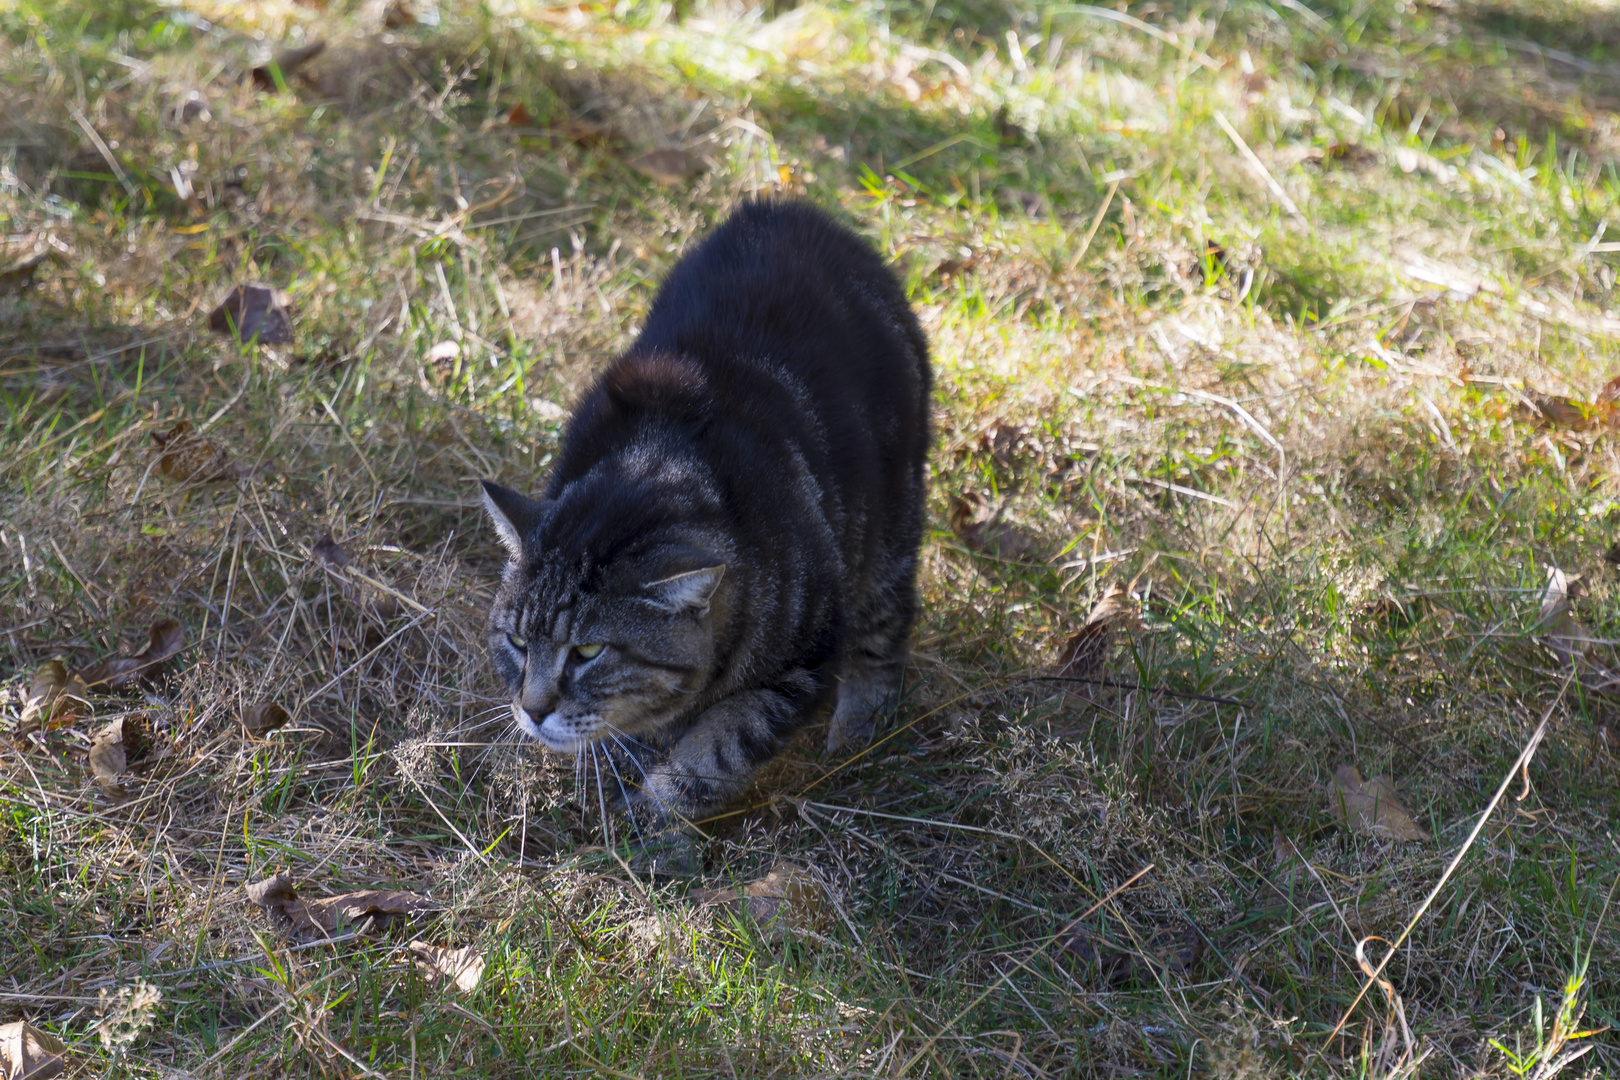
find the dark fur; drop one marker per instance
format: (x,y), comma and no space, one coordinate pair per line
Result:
(766,436)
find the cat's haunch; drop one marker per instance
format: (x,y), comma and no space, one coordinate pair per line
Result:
(729,536)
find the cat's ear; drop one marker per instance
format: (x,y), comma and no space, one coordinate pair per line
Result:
(513,515)
(687,592)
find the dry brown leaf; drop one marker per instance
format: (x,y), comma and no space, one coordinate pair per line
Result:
(1371,806)
(265,717)
(1087,652)
(463,968)
(1560,411)
(286,61)
(27,1053)
(586,132)
(368,910)
(272,891)
(982,530)
(398,13)
(163,641)
(20,274)
(121,742)
(787,898)
(252,313)
(186,456)
(329,552)
(668,167)
(54,696)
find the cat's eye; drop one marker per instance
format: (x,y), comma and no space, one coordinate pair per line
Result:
(518,643)
(588,652)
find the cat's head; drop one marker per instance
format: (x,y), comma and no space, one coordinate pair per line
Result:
(603,624)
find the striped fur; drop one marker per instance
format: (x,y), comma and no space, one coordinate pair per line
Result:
(734,518)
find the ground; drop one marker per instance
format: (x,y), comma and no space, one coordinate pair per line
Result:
(1279,335)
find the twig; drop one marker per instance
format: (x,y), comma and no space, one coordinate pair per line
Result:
(1259,168)
(1096,223)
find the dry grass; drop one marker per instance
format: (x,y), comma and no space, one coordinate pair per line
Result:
(1310,445)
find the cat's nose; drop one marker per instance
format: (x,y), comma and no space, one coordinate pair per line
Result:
(538,706)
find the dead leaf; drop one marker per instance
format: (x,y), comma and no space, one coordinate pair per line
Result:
(253,313)
(1113,966)
(122,742)
(518,116)
(954,268)
(1560,411)
(191,458)
(329,552)
(272,891)
(27,1053)
(54,696)
(463,967)
(265,717)
(982,529)
(787,898)
(587,133)
(366,911)
(398,13)
(286,61)
(164,640)
(668,167)
(1087,652)
(20,274)
(109,760)
(1371,806)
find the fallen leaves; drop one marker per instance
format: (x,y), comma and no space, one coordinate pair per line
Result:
(364,912)
(54,695)
(789,898)
(57,695)
(188,457)
(164,641)
(1563,636)
(265,717)
(1371,806)
(115,747)
(1554,410)
(1172,950)
(253,313)
(284,64)
(462,968)
(669,167)
(982,529)
(1086,653)
(27,1053)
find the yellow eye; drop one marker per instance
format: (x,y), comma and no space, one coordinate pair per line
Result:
(520,644)
(587,652)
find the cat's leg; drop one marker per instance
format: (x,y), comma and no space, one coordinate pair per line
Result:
(714,759)
(869,681)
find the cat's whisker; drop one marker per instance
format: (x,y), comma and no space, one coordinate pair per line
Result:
(601,798)
(625,795)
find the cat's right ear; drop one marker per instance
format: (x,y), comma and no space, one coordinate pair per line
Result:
(513,515)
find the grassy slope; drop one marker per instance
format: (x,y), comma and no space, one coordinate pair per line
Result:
(1317,472)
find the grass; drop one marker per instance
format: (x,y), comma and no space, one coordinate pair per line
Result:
(1327,452)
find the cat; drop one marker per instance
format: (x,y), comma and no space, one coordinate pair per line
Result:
(728,538)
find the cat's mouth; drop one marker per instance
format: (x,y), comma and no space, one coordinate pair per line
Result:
(564,734)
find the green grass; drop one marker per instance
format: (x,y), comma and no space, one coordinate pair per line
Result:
(1320,473)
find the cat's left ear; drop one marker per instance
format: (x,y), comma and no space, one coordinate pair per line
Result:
(689,591)
(513,515)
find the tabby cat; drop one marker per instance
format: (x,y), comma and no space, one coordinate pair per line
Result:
(728,539)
